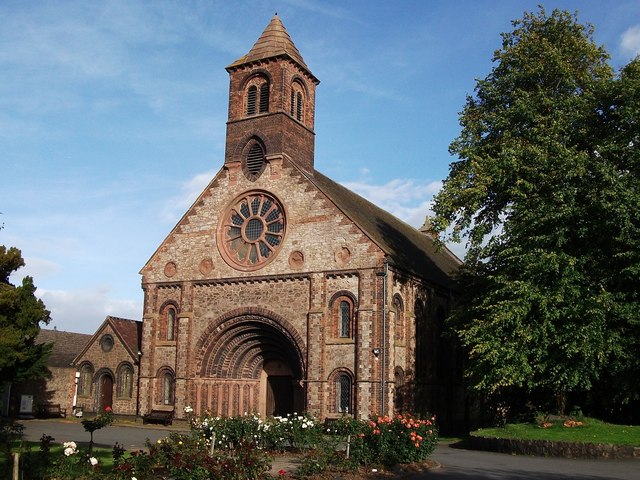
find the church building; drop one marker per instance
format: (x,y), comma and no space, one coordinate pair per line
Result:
(280,290)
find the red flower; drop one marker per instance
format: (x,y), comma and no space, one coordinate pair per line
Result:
(282,473)
(107,408)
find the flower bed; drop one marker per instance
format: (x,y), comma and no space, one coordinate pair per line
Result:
(243,448)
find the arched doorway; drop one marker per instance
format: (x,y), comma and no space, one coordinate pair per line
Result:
(250,363)
(281,393)
(105,391)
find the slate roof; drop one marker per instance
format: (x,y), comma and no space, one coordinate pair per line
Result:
(406,247)
(66,345)
(274,42)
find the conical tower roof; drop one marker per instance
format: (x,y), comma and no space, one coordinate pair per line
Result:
(274,42)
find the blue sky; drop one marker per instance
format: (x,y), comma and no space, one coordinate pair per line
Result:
(112,116)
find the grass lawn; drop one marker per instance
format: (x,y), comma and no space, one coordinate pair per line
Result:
(104,455)
(592,431)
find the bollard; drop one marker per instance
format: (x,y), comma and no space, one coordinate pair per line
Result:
(16,465)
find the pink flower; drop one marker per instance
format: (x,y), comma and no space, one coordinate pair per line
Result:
(107,408)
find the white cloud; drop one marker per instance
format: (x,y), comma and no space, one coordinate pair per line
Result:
(406,199)
(84,310)
(630,40)
(35,268)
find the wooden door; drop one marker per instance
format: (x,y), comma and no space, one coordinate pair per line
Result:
(279,395)
(106,392)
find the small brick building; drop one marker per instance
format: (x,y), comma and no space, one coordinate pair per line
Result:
(59,388)
(280,290)
(107,368)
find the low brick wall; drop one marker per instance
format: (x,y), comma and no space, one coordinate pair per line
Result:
(549,448)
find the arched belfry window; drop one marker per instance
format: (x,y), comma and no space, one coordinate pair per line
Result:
(257,96)
(254,161)
(297,101)
(252,95)
(264,97)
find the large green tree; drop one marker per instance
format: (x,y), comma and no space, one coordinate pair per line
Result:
(546,194)
(21,314)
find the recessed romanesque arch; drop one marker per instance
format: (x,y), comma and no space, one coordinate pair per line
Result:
(239,343)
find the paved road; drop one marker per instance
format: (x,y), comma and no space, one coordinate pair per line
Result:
(457,464)
(132,436)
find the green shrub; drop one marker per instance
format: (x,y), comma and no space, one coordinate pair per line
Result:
(393,440)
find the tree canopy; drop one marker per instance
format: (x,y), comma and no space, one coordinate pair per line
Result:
(21,314)
(546,194)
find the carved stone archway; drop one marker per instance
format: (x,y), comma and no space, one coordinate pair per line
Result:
(243,358)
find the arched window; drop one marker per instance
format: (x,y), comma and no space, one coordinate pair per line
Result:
(345,319)
(297,101)
(171,323)
(342,309)
(257,95)
(343,389)
(166,388)
(398,311)
(85,380)
(125,381)
(168,325)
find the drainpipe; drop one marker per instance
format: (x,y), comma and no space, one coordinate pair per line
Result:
(138,386)
(384,336)
(75,392)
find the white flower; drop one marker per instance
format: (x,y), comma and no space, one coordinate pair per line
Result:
(188,409)
(134,478)
(69,451)
(93,461)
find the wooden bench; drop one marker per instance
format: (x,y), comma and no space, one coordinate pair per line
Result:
(164,417)
(51,410)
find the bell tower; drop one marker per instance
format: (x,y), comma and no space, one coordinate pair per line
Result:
(271,105)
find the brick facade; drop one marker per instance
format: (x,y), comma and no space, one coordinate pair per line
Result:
(264,337)
(243,299)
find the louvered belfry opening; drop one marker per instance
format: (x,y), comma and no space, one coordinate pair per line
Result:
(252,95)
(264,98)
(255,160)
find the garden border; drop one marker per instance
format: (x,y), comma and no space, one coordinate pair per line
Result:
(549,448)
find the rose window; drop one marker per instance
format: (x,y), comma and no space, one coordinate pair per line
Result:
(252,230)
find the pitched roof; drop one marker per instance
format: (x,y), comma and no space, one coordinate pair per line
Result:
(406,247)
(66,345)
(274,42)
(128,331)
